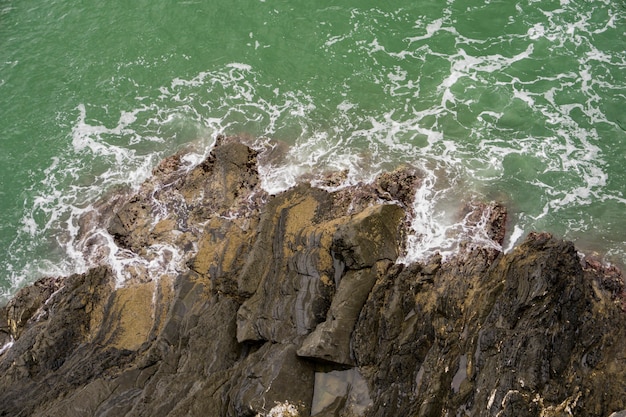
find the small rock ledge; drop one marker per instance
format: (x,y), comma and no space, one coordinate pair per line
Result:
(294,305)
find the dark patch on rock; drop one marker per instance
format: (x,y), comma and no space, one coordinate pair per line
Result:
(492,216)
(28,302)
(399,185)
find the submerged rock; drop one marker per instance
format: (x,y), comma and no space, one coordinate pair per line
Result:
(295,304)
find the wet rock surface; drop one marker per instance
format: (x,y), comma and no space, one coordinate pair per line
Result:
(296,302)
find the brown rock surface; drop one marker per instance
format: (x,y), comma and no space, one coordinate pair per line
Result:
(297,301)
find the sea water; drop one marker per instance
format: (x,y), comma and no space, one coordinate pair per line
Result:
(522,102)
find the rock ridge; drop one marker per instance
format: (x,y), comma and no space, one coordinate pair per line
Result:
(296,304)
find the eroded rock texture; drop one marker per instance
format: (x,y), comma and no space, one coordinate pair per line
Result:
(296,302)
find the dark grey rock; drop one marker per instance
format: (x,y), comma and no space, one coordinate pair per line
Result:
(331,340)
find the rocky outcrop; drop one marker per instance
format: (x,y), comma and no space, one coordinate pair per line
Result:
(515,336)
(296,304)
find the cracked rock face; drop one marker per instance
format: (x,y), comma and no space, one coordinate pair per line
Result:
(296,304)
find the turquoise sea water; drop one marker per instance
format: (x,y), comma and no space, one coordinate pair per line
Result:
(520,101)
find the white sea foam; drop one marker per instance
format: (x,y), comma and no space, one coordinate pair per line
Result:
(481,119)
(429,225)
(7,346)
(514,238)
(285,409)
(431,29)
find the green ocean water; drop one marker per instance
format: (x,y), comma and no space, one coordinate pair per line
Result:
(519,101)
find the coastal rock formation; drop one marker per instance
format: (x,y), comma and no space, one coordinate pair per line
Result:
(296,305)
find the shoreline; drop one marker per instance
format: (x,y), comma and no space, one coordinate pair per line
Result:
(437,223)
(97,250)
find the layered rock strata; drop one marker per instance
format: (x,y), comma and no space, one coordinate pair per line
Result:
(295,304)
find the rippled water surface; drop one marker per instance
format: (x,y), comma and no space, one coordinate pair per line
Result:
(523,102)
